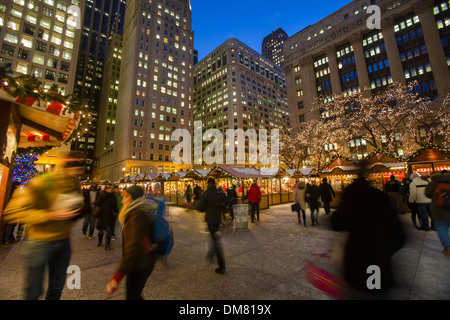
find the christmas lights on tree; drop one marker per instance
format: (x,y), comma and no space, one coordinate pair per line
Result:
(24,168)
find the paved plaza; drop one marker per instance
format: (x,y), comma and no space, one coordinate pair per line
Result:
(264,262)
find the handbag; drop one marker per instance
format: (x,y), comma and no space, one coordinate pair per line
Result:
(295,207)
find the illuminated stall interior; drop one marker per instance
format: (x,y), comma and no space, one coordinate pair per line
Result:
(429,161)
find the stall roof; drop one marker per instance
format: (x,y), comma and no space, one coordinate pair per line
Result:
(236,172)
(273,172)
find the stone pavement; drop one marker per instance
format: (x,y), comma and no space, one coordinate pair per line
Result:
(264,262)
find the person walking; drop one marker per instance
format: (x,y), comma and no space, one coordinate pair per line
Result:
(188,195)
(213,203)
(231,199)
(411,206)
(375,234)
(417,196)
(90,211)
(299,198)
(137,261)
(439,211)
(313,197)
(49,207)
(106,219)
(254,198)
(392,188)
(197,194)
(326,195)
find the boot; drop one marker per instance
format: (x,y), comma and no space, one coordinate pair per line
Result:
(298,216)
(108,243)
(304,218)
(100,239)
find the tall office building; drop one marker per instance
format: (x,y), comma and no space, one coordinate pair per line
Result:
(101,19)
(237,88)
(155,92)
(41,38)
(342,54)
(272,46)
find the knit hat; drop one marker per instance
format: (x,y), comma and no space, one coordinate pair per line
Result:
(414,175)
(135,192)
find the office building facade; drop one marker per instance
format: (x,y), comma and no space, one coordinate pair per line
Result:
(273,46)
(155,92)
(237,88)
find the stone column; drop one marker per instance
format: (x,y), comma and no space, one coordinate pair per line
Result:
(334,70)
(360,59)
(436,53)
(395,63)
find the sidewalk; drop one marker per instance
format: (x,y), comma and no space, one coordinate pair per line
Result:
(264,262)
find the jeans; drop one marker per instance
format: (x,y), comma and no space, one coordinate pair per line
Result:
(254,207)
(216,245)
(315,217)
(55,255)
(442,228)
(89,221)
(424,211)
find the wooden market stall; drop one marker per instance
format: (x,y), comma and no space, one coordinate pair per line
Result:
(382,166)
(277,187)
(429,161)
(242,178)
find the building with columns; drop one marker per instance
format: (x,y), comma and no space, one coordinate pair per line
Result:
(342,54)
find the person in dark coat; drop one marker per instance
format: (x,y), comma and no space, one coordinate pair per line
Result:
(197,194)
(393,190)
(106,219)
(313,197)
(138,261)
(213,202)
(375,234)
(90,197)
(231,199)
(326,195)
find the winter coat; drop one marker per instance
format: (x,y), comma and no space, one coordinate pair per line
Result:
(392,186)
(326,192)
(438,213)
(137,230)
(299,197)
(375,233)
(231,197)
(212,202)
(254,194)
(107,204)
(30,205)
(417,191)
(313,196)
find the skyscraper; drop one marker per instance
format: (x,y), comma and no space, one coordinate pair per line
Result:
(272,46)
(40,38)
(155,92)
(237,88)
(101,20)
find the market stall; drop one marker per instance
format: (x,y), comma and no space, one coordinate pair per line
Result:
(242,178)
(381,167)
(279,185)
(428,161)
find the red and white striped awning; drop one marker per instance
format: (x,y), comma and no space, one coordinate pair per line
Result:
(44,123)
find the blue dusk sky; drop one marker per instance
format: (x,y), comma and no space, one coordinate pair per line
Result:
(249,21)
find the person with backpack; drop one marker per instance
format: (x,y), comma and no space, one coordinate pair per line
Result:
(439,191)
(417,195)
(138,260)
(213,202)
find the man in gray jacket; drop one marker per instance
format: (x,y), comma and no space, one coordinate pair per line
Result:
(440,214)
(417,195)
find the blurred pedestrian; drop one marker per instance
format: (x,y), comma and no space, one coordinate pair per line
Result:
(439,210)
(213,202)
(313,196)
(231,200)
(374,235)
(254,198)
(137,261)
(411,206)
(197,194)
(90,211)
(106,219)
(326,195)
(393,190)
(8,231)
(417,196)
(48,207)
(299,198)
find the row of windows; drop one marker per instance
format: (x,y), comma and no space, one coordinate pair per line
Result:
(378,66)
